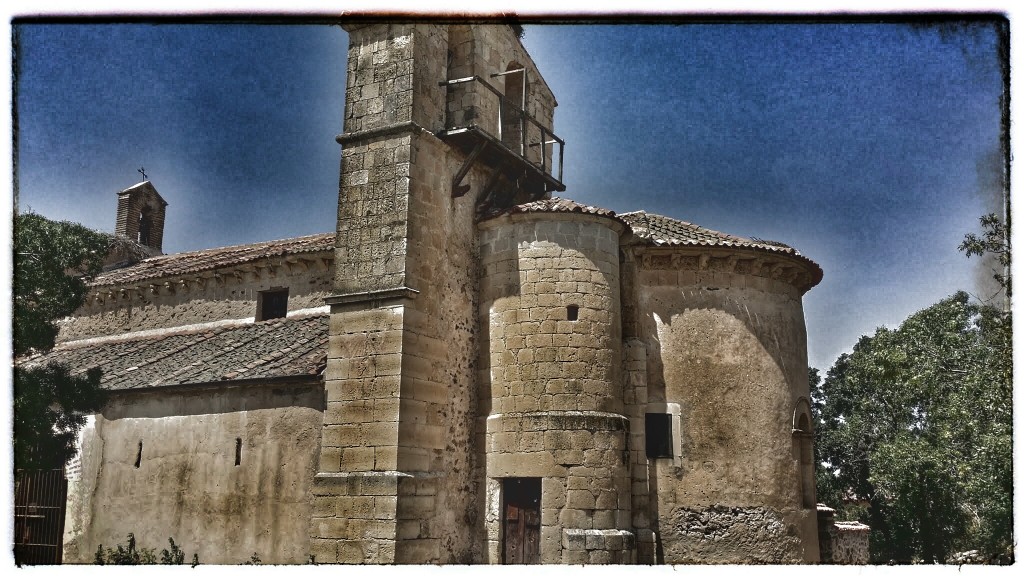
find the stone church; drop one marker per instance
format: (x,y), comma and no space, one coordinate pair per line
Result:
(472,368)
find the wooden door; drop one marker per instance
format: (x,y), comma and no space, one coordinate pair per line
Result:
(521,521)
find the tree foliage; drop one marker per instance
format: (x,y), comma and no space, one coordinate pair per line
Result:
(916,424)
(50,259)
(914,430)
(995,241)
(50,401)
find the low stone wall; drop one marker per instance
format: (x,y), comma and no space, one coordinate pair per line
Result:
(583,546)
(842,542)
(850,543)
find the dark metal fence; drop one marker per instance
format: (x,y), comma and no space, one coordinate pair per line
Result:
(40,498)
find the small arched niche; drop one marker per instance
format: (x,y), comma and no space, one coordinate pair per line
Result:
(803,437)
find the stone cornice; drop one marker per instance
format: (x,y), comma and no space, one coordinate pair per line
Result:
(794,270)
(398,128)
(372,296)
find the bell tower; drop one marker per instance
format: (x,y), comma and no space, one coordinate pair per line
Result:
(423,157)
(140,216)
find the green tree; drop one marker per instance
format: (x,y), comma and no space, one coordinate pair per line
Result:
(50,401)
(916,422)
(993,241)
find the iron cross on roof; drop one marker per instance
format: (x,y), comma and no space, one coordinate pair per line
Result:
(142,171)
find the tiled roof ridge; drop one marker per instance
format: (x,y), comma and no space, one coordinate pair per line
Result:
(559,204)
(654,223)
(212,258)
(251,245)
(214,327)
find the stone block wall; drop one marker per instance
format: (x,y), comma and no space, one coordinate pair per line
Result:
(584,485)
(850,542)
(534,271)
(404,245)
(373,214)
(392,94)
(208,296)
(485,50)
(842,542)
(549,373)
(726,342)
(439,373)
(585,546)
(356,487)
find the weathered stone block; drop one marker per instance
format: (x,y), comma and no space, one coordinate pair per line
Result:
(323,550)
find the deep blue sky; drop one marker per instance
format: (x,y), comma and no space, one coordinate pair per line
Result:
(871,148)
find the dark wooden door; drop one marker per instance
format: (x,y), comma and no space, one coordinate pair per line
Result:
(521,521)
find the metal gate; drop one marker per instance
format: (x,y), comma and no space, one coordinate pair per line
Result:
(40,498)
(521,521)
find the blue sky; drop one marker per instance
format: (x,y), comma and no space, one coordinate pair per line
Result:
(870,148)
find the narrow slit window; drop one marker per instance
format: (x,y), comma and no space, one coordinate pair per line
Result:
(572,312)
(272,304)
(238,451)
(658,430)
(138,456)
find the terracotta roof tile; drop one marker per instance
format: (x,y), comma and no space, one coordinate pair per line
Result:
(283,347)
(555,204)
(664,231)
(198,261)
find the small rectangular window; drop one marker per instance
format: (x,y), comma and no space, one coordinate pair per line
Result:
(272,304)
(658,430)
(572,312)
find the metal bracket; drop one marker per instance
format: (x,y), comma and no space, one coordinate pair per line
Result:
(484,200)
(459,189)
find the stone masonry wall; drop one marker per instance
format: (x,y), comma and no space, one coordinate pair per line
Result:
(551,383)
(850,541)
(166,462)
(439,377)
(485,50)
(405,246)
(373,201)
(730,349)
(533,272)
(356,487)
(584,486)
(227,293)
(419,488)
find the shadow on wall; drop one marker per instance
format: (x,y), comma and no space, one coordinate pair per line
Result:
(175,401)
(732,364)
(773,334)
